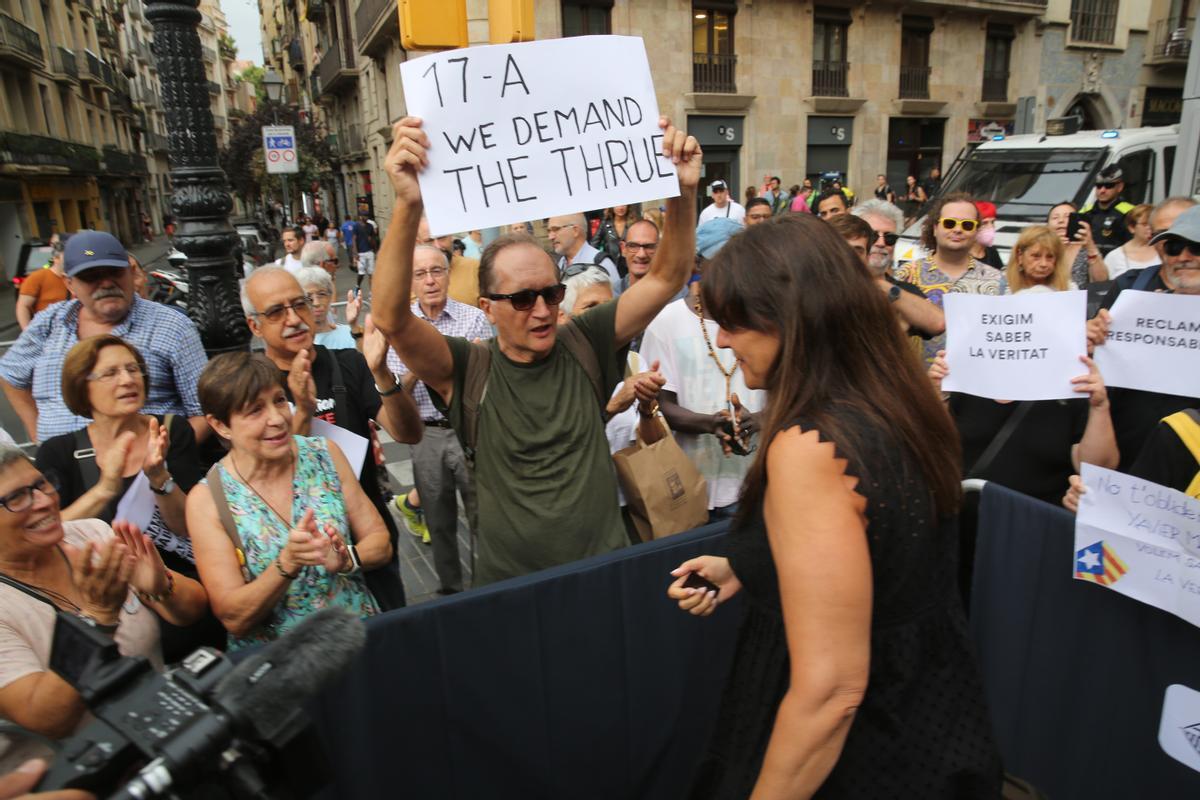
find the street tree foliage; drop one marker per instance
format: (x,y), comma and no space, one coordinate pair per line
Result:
(243,159)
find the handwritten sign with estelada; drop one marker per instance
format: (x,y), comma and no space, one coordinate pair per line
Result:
(1153,343)
(1140,539)
(1015,347)
(523,131)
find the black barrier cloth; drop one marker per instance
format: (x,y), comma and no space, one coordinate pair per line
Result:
(1074,673)
(583,681)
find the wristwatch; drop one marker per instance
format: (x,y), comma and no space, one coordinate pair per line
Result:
(893,294)
(355,564)
(167,487)
(396,387)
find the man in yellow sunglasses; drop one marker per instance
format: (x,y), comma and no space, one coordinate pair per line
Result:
(948,236)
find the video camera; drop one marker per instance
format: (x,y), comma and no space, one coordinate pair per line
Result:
(206,728)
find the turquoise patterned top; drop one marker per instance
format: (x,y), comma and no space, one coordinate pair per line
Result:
(315,485)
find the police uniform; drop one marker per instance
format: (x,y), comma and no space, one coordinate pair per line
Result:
(1108,225)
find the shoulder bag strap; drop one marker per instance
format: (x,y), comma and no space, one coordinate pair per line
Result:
(1186,425)
(581,349)
(217,488)
(341,406)
(27,589)
(479,364)
(1144,278)
(85,458)
(999,440)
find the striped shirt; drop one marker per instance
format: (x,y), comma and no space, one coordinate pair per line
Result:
(456,319)
(165,337)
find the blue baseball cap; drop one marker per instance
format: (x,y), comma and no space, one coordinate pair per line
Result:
(89,249)
(712,235)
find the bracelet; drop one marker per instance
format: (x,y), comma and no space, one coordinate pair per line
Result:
(396,387)
(290,576)
(652,412)
(159,598)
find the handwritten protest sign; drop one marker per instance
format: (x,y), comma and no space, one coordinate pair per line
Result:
(1015,347)
(1153,343)
(523,131)
(1140,539)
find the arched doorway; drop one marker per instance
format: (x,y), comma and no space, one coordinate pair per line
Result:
(1091,111)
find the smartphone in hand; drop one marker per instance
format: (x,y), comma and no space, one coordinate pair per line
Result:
(697,581)
(1073,221)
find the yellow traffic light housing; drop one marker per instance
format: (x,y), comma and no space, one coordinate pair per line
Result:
(510,21)
(433,24)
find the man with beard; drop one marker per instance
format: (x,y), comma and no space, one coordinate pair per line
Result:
(98,274)
(916,313)
(345,388)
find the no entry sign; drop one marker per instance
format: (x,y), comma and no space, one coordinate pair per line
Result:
(279,148)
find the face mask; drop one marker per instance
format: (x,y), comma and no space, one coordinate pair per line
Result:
(986,236)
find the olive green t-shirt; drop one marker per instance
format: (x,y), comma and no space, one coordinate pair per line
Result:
(544,479)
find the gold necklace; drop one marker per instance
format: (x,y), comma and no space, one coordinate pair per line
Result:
(712,353)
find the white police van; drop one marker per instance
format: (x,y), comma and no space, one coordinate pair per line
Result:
(1027,175)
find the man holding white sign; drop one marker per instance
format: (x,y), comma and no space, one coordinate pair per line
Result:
(545,485)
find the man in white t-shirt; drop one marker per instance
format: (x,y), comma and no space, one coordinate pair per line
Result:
(293,243)
(721,205)
(694,399)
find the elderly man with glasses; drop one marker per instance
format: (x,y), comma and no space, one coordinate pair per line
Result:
(98,274)
(345,388)
(569,237)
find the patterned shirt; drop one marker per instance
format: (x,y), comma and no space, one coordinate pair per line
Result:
(165,337)
(456,319)
(925,275)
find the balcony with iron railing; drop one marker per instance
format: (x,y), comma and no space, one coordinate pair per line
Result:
(348,141)
(314,10)
(1172,41)
(995,86)
(209,54)
(64,64)
(336,71)
(89,67)
(157,142)
(19,43)
(122,162)
(829,78)
(714,73)
(106,74)
(214,87)
(914,82)
(220,122)
(32,150)
(377,25)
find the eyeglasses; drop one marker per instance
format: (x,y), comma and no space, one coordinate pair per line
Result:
(889,239)
(434,272)
(633,247)
(319,294)
(275,313)
(21,499)
(527,298)
(1106,186)
(330,261)
(1175,247)
(555,229)
(113,373)
(950,223)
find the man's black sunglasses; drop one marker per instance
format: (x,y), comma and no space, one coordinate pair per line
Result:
(527,298)
(1106,186)
(1174,247)
(889,239)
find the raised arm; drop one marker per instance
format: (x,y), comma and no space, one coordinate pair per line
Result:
(676,256)
(417,342)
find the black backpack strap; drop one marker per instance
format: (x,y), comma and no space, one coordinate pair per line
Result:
(1145,278)
(85,458)
(999,440)
(479,364)
(341,405)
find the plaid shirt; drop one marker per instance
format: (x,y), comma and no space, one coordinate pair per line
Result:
(456,319)
(166,339)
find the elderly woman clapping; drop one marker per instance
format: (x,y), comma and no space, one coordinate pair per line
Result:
(318,289)
(282,528)
(114,577)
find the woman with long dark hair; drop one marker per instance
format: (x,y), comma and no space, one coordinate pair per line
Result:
(853,676)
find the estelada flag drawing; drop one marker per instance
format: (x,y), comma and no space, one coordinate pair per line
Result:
(1099,563)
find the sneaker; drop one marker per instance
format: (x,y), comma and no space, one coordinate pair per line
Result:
(414,519)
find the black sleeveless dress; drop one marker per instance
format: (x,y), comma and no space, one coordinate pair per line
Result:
(922,730)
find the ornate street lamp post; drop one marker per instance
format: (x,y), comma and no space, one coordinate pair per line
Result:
(200,199)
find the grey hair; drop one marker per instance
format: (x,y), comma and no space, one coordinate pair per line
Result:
(313,254)
(435,249)
(1178,200)
(10,455)
(310,276)
(247,306)
(592,276)
(880,208)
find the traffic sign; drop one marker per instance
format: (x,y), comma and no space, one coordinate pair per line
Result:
(279,147)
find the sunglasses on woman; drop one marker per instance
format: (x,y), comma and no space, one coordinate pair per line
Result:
(1175,247)
(527,298)
(950,223)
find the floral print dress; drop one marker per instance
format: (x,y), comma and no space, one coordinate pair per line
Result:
(315,485)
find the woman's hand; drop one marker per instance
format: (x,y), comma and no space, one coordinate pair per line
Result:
(112,462)
(699,602)
(17,784)
(337,556)
(149,574)
(154,464)
(1076,490)
(305,546)
(353,304)
(747,421)
(938,370)
(1091,384)
(623,398)
(101,576)
(1084,237)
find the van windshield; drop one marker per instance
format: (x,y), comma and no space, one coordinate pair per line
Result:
(1026,184)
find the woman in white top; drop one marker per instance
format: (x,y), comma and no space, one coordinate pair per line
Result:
(1137,253)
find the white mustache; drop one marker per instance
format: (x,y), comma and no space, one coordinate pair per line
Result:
(100,294)
(294,329)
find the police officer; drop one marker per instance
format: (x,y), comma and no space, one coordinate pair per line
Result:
(1107,215)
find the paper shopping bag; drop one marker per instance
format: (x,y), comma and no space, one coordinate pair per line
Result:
(665,492)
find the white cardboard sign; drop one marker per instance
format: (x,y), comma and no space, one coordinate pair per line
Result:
(1140,539)
(524,131)
(1153,343)
(1179,726)
(1015,347)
